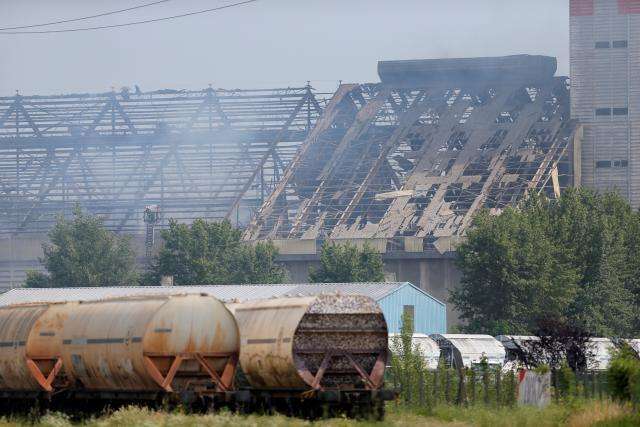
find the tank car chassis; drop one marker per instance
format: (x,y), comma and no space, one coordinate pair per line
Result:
(309,404)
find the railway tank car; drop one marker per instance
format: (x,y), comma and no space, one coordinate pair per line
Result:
(305,356)
(16,323)
(328,348)
(147,344)
(125,348)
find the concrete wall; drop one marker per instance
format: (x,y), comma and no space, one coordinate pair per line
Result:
(436,275)
(18,254)
(21,253)
(605,75)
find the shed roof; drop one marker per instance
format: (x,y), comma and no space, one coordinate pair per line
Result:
(423,343)
(375,290)
(515,342)
(473,348)
(599,348)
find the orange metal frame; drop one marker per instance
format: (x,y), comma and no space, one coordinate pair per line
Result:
(373,379)
(223,382)
(38,375)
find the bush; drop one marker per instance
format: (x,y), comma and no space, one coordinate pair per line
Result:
(575,258)
(213,253)
(342,263)
(567,386)
(83,252)
(624,375)
(408,369)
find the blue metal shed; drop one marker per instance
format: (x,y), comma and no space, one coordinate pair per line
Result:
(429,314)
(395,298)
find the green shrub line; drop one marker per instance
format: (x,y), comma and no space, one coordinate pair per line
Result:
(420,387)
(429,388)
(491,387)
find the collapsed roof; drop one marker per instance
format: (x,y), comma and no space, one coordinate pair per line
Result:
(413,158)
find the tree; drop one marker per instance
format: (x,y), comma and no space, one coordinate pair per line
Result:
(574,259)
(623,374)
(407,362)
(83,252)
(560,343)
(342,263)
(37,279)
(212,253)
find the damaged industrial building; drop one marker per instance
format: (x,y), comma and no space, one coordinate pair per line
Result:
(140,158)
(407,162)
(403,164)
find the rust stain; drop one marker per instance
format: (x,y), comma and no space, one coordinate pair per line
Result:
(103,344)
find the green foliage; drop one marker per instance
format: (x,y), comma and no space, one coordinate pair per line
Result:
(212,253)
(624,375)
(442,416)
(37,279)
(542,369)
(582,414)
(408,368)
(341,263)
(83,252)
(566,383)
(575,258)
(421,387)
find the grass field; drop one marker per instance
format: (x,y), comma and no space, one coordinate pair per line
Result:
(602,414)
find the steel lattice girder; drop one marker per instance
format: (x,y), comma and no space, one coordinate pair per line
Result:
(196,154)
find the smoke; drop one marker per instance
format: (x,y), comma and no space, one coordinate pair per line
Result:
(271,43)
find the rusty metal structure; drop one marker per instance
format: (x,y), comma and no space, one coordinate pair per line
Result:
(211,153)
(299,355)
(118,348)
(16,324)
(320,343)
(406,163)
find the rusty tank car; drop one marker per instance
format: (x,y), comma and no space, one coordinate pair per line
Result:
(16,324)
(301,355)
(329,348)
(119,348)
(150,343)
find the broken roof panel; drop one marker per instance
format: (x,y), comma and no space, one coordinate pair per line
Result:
(392,161)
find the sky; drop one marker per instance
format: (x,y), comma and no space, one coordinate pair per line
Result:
(266,44)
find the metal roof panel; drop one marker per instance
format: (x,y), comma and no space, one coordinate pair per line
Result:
(376,291)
